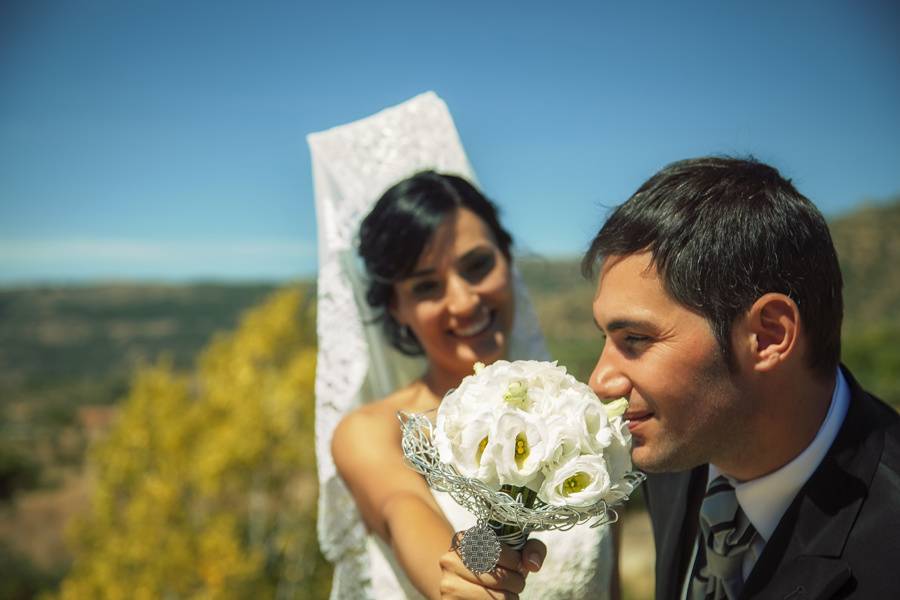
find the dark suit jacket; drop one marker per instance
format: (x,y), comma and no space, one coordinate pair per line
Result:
(839,538)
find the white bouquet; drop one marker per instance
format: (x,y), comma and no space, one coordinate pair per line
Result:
(526,447)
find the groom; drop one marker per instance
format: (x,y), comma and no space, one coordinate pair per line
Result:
(772,473)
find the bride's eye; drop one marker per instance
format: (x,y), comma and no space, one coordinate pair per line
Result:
(424,288)
(477,265)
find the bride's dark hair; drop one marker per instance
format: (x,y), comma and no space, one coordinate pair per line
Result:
(393,235)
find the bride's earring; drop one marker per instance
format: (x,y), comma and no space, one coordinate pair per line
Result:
(406,334)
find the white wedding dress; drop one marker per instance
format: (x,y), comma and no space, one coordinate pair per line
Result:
(352,166)
(578,564)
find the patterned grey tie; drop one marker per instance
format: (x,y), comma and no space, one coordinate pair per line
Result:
(726,535)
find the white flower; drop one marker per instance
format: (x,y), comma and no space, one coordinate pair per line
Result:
(516,395)
(616,408)
(531,424)
(563,440)
(466,444)
(618,460)
(518,448)
(592,423)
(476,392)
(619,451)
(581,482)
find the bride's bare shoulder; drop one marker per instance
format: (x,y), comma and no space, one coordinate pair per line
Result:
(380,417)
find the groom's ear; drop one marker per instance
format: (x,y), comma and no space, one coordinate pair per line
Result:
(768,334)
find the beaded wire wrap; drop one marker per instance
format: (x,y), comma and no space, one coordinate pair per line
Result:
(498,506)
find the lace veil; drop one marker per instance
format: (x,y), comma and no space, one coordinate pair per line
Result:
(353,165)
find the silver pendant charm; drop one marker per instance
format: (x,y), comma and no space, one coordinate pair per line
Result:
(480,548)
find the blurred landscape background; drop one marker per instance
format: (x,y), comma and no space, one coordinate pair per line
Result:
(158,234)
(157,440)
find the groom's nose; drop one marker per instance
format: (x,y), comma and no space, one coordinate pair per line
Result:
(607,380)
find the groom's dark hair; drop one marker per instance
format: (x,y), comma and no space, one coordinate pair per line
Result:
(724,231)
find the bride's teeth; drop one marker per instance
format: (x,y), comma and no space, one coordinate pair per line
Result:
(474,328)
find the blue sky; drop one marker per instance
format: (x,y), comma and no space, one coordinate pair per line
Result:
(166,140)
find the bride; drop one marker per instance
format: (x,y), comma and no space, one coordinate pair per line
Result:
(436,281)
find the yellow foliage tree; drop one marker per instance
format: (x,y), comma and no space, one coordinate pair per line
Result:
(206,488)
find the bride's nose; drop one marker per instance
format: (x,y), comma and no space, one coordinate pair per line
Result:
(462,299)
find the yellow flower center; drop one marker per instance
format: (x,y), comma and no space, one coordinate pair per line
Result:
(522,449)
(576,483)
(481,446)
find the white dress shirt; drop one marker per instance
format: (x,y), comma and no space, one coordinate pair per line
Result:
(765,499)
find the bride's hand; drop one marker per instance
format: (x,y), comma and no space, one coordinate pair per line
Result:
(506,581)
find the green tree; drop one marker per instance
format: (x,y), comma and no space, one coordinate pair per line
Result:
(18,471)
(874,357)
(206,486)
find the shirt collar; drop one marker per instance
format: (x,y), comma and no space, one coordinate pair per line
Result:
(765,499)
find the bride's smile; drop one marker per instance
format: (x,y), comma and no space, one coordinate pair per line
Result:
(475,326)
(458,301)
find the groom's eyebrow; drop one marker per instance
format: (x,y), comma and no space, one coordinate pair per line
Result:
(618,324)
(627,324)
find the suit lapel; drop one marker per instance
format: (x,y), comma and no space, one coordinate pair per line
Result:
(674,500)
(806,577)
(802,559)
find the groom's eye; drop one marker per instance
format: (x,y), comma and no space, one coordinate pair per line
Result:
(635,343)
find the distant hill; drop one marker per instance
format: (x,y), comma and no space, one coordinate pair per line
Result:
(562,300)
(868,245)
(67,346)
(62,347)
